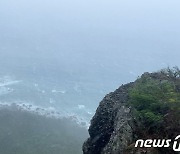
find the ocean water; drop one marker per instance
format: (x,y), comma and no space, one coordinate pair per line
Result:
(40,109)
(52,98)
(65,98)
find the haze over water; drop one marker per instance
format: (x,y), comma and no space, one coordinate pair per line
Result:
(67,55)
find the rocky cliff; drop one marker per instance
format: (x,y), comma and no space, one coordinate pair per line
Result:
(115,127)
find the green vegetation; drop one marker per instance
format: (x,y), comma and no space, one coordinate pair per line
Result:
(154,95)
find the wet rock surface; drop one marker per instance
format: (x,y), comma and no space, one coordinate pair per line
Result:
(111,129)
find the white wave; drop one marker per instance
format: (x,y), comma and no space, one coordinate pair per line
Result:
(58,91)
(6,81)
(81,106)
(49,112)
(90,113)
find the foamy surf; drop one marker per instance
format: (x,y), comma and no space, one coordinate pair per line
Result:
(49,112)
(6,81)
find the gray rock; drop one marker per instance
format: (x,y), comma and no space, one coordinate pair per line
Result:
(111,129)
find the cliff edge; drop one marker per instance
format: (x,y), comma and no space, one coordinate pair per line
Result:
(146,108)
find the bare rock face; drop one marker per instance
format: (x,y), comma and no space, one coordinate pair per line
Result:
(112,127)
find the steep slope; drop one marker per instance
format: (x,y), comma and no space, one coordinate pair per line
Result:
(146,108)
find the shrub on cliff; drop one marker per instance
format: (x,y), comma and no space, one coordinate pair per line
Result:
(154,95)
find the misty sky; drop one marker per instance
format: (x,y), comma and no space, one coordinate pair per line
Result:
(111,40)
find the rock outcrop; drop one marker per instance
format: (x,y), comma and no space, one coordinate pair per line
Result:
(111,129)
(114,128)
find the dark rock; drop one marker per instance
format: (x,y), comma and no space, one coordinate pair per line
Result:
(111,129)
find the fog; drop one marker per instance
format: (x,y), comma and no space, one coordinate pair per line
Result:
(104,43)
(66,54)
